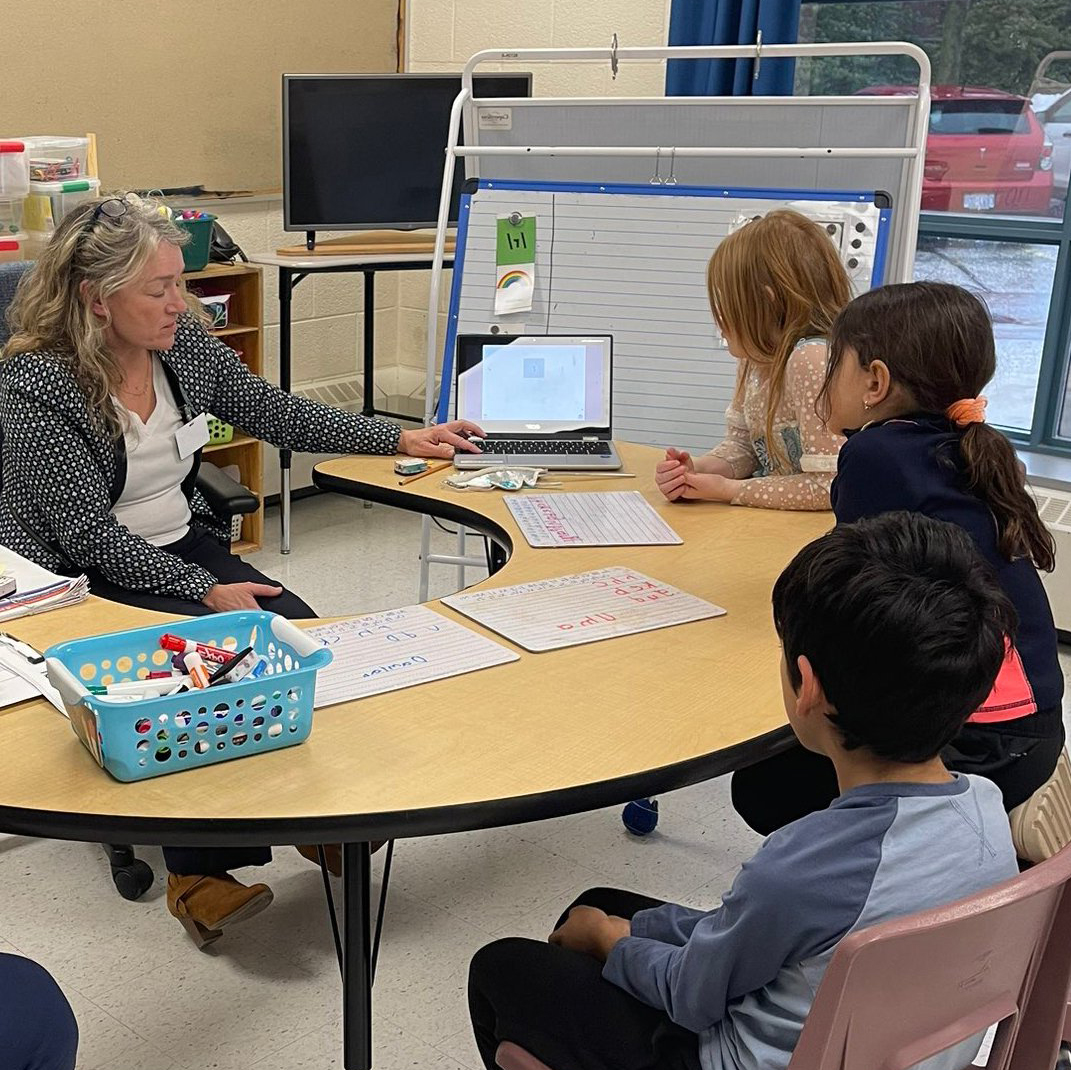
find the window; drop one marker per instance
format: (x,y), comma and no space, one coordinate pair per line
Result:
(996,71)
(996,173)
(1015,280)
(985,117)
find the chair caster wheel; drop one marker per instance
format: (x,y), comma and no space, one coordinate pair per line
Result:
(640,817)
(132,880)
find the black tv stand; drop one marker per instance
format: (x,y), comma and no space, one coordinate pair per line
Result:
(310,240)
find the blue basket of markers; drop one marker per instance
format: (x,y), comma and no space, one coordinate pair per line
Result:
(138,738)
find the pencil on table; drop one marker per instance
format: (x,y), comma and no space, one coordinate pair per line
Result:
(427,472)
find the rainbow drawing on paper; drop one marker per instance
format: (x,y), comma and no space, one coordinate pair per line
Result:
(512,278)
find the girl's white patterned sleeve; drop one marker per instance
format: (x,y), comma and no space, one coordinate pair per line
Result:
(808,489)
(737,448)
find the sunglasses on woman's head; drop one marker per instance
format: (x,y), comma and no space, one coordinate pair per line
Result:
(114,208)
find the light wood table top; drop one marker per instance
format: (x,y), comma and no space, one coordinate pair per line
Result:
(552,733)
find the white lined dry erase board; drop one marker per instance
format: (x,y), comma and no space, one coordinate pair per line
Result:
(630,261)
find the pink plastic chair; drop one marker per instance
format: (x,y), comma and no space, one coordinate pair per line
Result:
(899,992)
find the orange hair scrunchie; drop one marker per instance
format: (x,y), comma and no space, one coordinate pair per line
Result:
(967,411)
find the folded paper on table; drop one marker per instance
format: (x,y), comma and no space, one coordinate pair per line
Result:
(37,589)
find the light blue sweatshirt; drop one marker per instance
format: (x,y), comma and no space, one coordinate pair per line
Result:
(744,976)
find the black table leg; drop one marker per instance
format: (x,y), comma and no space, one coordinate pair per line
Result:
(285,287)
(369,408)
(357,947)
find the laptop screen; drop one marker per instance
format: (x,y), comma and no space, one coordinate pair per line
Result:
(539,385)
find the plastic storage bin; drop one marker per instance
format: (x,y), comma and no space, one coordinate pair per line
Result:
(218,308)
(196,251)
(14,169)
(219,433)
(11,215)
(55,159)
(49,202)
(151,737)
(15,247)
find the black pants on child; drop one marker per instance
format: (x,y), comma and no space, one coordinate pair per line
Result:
(772,793)
(200,547)
(556,1004)
(37,1026)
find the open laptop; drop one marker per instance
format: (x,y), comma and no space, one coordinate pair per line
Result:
(542,400)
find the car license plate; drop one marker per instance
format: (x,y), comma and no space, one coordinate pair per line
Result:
(979,202)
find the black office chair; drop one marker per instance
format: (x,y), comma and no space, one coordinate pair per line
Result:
(226,498)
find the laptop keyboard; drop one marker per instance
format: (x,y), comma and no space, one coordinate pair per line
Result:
(535,446)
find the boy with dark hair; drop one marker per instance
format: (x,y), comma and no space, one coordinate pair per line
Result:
(893,631)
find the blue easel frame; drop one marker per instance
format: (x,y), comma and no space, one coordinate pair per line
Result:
(881,246)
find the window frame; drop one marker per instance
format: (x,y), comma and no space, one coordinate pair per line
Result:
(1056,347)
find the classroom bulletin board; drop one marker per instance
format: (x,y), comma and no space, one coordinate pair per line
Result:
(181,94)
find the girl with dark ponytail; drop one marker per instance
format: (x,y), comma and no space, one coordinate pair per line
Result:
(907,366)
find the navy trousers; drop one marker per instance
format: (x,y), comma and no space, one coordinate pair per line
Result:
(37,1026)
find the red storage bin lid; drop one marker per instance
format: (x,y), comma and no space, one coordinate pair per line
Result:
(7,246)
(12,146)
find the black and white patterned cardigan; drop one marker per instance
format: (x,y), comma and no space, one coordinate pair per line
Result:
(61,470)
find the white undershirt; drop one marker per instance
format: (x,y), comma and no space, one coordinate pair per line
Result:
(152,504)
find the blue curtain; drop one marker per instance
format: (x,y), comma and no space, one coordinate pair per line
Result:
(731,22)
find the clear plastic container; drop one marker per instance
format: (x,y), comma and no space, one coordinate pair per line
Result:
(57,159)
(11,215)
(14,247)
(14,169)
(49,202)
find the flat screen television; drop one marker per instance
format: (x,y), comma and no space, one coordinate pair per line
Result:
(366,151)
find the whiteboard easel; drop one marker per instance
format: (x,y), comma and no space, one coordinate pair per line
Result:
(570,143)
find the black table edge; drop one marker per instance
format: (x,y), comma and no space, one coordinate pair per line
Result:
(397,497)
(398,824)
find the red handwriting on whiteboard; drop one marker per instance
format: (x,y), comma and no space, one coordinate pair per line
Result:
(587,622)
(553,522)
(635,588)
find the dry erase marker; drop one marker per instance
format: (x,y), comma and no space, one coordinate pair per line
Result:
(230,672)
(195,666)
(260,667)
(141,688)
(185,646)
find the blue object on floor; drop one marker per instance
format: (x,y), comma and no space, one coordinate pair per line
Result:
(640,817)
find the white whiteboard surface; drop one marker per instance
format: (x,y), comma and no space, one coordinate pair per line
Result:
(609,518)
(582,608)
(633,265)
(398,648)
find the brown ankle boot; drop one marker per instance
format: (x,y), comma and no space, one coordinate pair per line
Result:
(206,905)
(332,854)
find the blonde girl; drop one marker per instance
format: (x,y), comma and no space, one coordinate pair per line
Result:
(775,287)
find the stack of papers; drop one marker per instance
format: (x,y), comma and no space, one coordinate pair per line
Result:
(36,589)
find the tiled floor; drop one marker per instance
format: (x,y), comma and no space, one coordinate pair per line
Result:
(267,995)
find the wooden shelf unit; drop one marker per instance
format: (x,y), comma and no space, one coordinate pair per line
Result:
(245,334)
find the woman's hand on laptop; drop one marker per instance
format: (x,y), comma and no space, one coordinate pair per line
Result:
(441,440)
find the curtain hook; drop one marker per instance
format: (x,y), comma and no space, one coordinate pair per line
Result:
(613,57)
(758,56)
(657,180)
